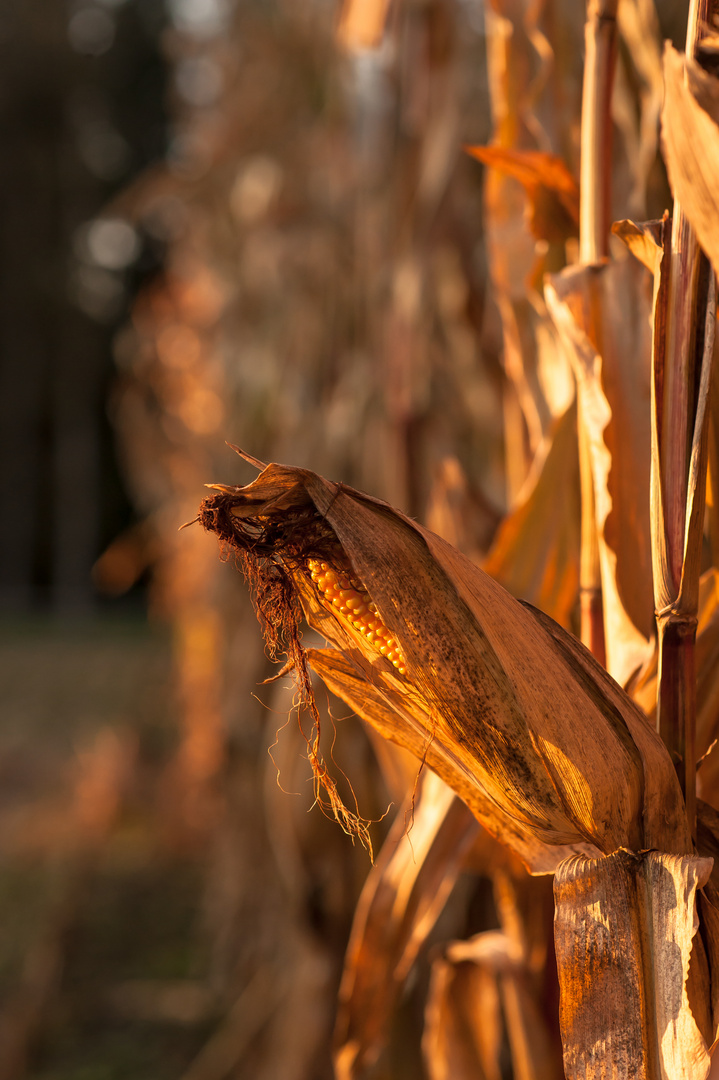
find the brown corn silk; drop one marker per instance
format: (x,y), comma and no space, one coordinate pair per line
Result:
(530,730)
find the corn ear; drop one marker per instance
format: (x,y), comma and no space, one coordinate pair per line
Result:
(517,709)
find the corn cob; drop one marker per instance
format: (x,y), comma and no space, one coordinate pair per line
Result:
(348,596)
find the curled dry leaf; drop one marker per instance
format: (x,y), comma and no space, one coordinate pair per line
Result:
(477,989)
(625,929)
(690,143)
(552,190)
(596,310)
(535,554)
(517,710)
(403,895)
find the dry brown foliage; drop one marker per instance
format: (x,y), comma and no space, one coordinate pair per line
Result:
(573,394)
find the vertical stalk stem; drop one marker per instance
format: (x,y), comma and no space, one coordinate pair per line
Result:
(594,222)
(600,43)
(679,380)
(590,582)
(686,301)
(676,703)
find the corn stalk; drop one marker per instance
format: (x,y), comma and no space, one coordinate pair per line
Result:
(548,753)
(594,222)
(682,348)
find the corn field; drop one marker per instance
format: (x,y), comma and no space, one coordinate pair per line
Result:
(443,274)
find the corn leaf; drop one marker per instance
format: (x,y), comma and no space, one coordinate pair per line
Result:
(690,143)
(595,309)
(644,240)
(534,91)
(460,513)
(362,23)
(552,190)
(454,1045)
(638,26)
(535,554)
(478,989)
(402,897)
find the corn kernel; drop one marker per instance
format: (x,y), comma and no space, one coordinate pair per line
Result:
(349,598)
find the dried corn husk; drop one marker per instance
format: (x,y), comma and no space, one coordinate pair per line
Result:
(516,709)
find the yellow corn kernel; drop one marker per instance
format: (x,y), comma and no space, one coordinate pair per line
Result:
(349,598)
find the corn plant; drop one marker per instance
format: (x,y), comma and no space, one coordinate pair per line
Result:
(576,759)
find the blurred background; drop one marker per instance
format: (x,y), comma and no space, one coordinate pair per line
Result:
(251,220)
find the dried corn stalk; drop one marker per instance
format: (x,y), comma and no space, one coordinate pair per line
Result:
(519,720)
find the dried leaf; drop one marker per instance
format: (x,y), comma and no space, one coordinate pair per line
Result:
(644,240)
(535,554)
(638,26)
(455,1045)
(400,902)
(462,515)
(712,498)
(478,988)
(690,143)
(553,192)
(596,309)
(709,916)
(517,709)
(624,931)
(535,94)
(667,596)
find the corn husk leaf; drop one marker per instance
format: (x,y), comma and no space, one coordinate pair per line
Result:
(690,143)
(625,927)
(517,708)
(478,989)
(400,902)
(405,723)
(598,310)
